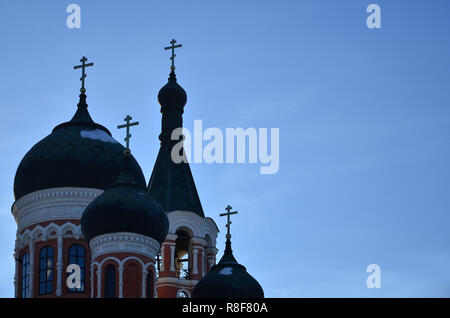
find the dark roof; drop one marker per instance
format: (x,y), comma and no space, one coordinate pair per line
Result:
(125,206)
(78,153)
(172,184)
(172,93)
(228,279)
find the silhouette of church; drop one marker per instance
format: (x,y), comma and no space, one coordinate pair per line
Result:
(89,226)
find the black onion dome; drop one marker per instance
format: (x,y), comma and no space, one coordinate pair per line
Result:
(172,93)
(228,279)
(78,153)
(125,206)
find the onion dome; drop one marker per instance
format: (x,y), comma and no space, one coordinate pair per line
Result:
(78,153)
(228,279)
(125,206)
(172,94)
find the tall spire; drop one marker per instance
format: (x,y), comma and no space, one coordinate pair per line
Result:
(172,184)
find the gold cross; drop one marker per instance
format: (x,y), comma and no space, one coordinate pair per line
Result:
(127,126)
(173,47)
(228,214)
(83,73)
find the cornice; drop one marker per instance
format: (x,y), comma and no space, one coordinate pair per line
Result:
(124,242)
(52,204)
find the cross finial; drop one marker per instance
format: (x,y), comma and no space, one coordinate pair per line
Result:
(173,47)
(83,73)
(127,126)
(228,214)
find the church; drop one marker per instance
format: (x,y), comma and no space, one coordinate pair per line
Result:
(82,205)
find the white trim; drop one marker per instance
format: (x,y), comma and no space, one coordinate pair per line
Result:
(143,283)
(163,254)
(99,272)
(174,281)
(121,267)
(121,280)
(153,269)
(40,233)
(197,225)
(172,258)
(171,237)
(123,242)
(59,266)
(133,258)
(203,262)
(99,282)
(195,255)
(199,241)
(52,204)
(92,280)
(31,269)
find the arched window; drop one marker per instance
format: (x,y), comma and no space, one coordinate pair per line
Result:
(77,255)
(46,261)
(182,261)
(110,281)
(25,274)
(132,281)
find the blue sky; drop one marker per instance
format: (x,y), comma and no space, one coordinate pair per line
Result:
(363,115)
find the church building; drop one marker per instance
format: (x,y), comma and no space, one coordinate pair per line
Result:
(82,206)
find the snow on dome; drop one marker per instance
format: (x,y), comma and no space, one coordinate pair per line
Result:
(226,271)
(97,134)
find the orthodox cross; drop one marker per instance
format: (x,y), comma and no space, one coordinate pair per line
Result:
(127,126)
(173,47)
(228,214)
(83,72)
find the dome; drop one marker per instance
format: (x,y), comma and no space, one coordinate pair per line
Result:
(172,93)
(228,279)
(78,153)
(125,206)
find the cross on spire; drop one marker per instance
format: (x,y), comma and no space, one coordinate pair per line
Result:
(173,47)
(83,73)
(228,214)
(127,126)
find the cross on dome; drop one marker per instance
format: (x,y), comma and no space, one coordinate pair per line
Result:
(127,126)
(228,214)
(173,47)
(83,72)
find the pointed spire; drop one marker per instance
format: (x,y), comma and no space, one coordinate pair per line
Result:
(82,114)
(172,184)
(228,256)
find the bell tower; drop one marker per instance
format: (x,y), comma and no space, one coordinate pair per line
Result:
(189,250)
